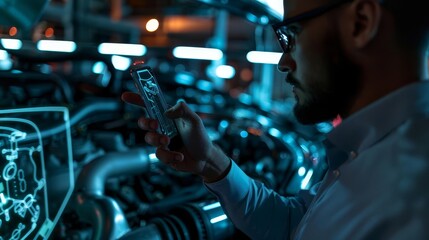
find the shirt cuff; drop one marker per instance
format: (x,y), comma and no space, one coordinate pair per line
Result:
(234,186)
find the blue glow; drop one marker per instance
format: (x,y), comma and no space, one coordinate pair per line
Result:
(3,55)
(11,44)
(274,5)
(274,132)
(153,158)
(205,99)
(252,17)
(224,124)
(189,92)
(2,199)
(304,147)
(219,99)
(197,53)
(225,71)
(245,98)
(211,206)
(306,180)
(122,49)
(98,67)
(263,120)
(324,127)
(264,20)
(121,63)
(205,108)
(263,57)
(184,79)
(301,171)
(32,185)
(244,113)
(218,219)
(244,134)
(205,85)
(56,46)
(119,218)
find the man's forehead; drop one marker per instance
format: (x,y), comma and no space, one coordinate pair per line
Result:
(295,7)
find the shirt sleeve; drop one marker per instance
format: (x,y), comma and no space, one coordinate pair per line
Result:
(256,210)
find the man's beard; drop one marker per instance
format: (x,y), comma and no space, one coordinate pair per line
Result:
(333,95)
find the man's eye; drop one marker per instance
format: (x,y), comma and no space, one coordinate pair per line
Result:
(293,30)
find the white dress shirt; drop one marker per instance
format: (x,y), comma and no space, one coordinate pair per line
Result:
(376,187)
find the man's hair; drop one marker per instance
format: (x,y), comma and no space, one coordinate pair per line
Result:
(411,21)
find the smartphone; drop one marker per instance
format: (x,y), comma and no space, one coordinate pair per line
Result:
(154,102)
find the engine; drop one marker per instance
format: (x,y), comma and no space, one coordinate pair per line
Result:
(74,164)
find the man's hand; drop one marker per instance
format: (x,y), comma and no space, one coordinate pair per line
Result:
(197,153)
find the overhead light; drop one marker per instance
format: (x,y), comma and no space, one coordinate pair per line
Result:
(122,49)
(56,46)
(275,6)
(152,25)
(5,62)
(11,44)
(3,55)
(197,53)
(225,71)
(264,57)
(121,63)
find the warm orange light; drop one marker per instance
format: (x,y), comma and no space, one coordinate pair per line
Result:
(254,131)
(49,32)
(13,31)
(246,75)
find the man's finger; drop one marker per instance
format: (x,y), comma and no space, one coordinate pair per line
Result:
(132,98)
(168,157)
(148,124)
(156,139)
(181,110)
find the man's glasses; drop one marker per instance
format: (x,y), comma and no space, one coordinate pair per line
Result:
(286,35)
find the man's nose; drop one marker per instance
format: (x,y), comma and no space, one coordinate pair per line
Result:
(286,63)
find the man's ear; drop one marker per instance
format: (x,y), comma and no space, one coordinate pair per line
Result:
(366,15)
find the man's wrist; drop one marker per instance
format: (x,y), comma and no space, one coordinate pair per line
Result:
(218,166)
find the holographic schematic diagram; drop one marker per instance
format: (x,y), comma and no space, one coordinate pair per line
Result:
(24,203)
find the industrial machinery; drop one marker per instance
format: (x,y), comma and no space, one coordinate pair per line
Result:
(74,164)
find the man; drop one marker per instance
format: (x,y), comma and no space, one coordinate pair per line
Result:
(364,60)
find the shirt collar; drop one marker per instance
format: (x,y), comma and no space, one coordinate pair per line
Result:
(366,127)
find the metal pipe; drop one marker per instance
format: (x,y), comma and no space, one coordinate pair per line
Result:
(105,215)
(9,78)
(93,176)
